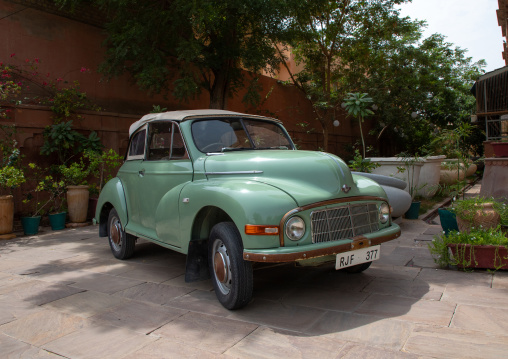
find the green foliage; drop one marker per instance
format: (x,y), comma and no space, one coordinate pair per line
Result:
(189,46)
(467,208)
(68,100)
(361,164)
(76,173)
(440,251)
(356,105)
(43,183)
(61,139)
(158,109)
(11,177)
(104,165)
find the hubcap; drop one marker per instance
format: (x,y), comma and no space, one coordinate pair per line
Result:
(221,266)
(115,233)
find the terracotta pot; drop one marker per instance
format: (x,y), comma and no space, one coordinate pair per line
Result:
(6,214)
(488,257)
(77,203)
(485,217)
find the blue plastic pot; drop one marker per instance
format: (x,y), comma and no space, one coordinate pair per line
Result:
(57,220)
(30,225)
(413,211)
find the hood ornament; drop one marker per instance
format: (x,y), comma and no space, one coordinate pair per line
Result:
(346,188)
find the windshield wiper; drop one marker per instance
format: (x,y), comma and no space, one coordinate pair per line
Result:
(231,149)
(273,148)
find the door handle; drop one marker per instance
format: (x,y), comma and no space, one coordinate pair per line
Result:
(141,173)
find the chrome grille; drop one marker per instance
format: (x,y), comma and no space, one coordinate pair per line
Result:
(341,222)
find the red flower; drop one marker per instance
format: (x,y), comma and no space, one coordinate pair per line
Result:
(13,54)
(36,60)
(84,69)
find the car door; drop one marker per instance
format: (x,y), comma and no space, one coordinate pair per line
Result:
(129,174)
(166,166)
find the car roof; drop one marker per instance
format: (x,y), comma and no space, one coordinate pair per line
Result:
(182,115)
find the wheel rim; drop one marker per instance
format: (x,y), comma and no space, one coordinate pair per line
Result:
(221,266)
(115,233)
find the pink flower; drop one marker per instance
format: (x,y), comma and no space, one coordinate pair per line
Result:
(59,79)
(84,69)
(8,110)
(47,75)
(36,60)
(27,61)
(13,54)
(44,83)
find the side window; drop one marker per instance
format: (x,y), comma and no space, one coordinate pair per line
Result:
(137,146)
(165,142)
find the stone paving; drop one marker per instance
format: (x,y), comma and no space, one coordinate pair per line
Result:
(62,294)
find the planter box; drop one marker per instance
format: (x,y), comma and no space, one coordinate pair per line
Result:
(485,257)
(500,149)
(429,176)
(389,167)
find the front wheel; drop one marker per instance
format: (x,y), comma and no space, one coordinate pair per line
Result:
(121,243)
(231,274)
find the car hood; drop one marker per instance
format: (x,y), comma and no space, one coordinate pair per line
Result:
(307,176)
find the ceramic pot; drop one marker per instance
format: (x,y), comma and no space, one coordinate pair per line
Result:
(485,217)
(77,203)
(500,149)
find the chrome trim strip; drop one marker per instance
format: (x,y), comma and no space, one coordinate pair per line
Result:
(234,173)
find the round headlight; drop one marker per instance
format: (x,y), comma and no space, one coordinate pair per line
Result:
(384,213)
(295,228)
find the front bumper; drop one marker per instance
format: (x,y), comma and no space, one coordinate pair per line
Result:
(292,254)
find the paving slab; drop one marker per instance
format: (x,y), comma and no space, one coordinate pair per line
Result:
(200,302)
(206,332)
(98,342)
(392,272)
(485,319)
(278,315)
(476,295)
(445,277)
(367,329)
(154,273)
(355,351)
(104,283)
(42,327)
(410,309)
(417,288)
(325,298)
(444,342)
(12,348)
(500,280)
(269,343)
(153,293)
(139,317)
(180,282)
(12,308)
(164,348)
(86,304)
(39,292)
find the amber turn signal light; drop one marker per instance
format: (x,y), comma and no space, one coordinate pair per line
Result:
(261,230)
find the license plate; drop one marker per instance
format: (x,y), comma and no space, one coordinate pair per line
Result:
(352,258)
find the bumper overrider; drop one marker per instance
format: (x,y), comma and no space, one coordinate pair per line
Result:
(292,254)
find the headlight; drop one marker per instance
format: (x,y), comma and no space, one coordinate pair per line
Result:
(295,228)
(384,213)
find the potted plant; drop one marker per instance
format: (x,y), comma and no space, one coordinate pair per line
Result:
(105,165)
(56,189)
(480,248)
(480,212)
(11,175)
(75,178)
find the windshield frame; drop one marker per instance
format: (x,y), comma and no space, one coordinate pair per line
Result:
(290,145)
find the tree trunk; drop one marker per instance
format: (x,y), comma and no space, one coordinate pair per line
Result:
(220,87)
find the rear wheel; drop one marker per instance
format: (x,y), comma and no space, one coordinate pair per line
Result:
(121,243)
(231,274)
(357,268)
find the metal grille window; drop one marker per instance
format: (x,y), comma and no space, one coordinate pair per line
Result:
(342,222)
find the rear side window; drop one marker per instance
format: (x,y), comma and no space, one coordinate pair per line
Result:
(137,146)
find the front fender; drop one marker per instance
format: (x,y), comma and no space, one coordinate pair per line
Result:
(112,195)
(245,201)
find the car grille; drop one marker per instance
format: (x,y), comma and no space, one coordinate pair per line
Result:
(348,221)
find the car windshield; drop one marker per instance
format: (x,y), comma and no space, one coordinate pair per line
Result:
(236,134)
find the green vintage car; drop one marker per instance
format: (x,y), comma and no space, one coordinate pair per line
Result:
(230,189)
